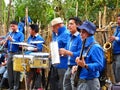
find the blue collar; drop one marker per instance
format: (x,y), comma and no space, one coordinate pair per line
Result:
(89,41)
(75,34)
(61,30)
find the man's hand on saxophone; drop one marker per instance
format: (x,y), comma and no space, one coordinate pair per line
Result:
(112,38)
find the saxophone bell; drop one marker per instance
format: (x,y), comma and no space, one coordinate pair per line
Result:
(108,51)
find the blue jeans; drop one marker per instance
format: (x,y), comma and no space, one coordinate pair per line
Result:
(92,84)
(116,67)
(68,82)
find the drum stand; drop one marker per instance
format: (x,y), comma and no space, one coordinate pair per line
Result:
(25,68)
(48,79)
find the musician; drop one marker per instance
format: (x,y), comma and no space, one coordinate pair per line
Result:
(11,37)
(92,61)
(61,35)
(72,51)
(33,74)
(115,39)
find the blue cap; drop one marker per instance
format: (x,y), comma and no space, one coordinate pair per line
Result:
(88,26)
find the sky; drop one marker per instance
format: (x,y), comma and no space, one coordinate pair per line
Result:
(6,1)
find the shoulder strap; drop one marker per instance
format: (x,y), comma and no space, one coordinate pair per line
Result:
(90,48)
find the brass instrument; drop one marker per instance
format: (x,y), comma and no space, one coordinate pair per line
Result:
(108,51)
(108,45)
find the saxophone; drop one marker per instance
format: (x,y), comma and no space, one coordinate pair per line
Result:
(108,51)
(108,45)
(109,56)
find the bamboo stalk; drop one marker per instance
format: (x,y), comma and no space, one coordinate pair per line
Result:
(26,24)
(76,9)
(104,17)
(100,19)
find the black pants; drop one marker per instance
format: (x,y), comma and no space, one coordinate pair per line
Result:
(56,78)
(13,76)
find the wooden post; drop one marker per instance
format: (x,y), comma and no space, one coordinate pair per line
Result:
(26,24)
(0,16)
(8,19)
(76,9)
(104,17)
(99,19)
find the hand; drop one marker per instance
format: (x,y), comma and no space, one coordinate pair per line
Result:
(74,69)
(30,48)
(10,38)
(3,42)
(112,38)
(80,62)
(62,51)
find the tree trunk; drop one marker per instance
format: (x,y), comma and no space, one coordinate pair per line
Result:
(9,9)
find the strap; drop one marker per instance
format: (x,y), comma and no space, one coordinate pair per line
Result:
(89,48)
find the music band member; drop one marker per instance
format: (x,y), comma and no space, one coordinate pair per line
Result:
(34,73)
(115,39)
(72,50)
(93,59)
(61,35)
(11,37)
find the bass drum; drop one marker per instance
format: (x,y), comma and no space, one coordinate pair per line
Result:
(21,63)
(41,60)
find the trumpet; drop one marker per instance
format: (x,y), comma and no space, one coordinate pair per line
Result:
(1,48)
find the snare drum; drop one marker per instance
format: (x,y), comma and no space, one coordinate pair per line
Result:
(20,63)
(40,60)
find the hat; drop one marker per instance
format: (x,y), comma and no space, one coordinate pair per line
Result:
(88,26)
(56,21)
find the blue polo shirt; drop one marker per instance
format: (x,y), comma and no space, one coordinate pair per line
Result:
(94,59)
(37,37)
(62,38)
(116,43)
(21,27)
(17,37)
(74,45)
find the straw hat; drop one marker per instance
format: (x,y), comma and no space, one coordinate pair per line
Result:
(56,21)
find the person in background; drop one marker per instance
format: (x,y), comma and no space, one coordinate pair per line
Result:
(34,73)
(11,37)
(72,51)
(92,62)
(21,26)
(61,35)
(115,39)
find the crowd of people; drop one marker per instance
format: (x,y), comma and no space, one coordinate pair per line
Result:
(88,58)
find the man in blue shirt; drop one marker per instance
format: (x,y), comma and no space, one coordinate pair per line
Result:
(72,51)
(92,62)
(33,74)
(115,39)
(11,37)
(61,36)
(21,25)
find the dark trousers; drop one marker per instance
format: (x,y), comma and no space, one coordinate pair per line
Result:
(56,78)
(34,77)
(13,76)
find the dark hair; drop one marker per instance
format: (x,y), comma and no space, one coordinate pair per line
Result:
(22,20)
(14,22)
(118,15)
(34,27)
(77,20)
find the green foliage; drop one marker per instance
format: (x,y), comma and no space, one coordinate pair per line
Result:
(45,10)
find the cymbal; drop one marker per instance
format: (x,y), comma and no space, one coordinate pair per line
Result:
(39,54)
(36,42)
(23,44)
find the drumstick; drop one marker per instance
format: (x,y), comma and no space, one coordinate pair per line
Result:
(46,47)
